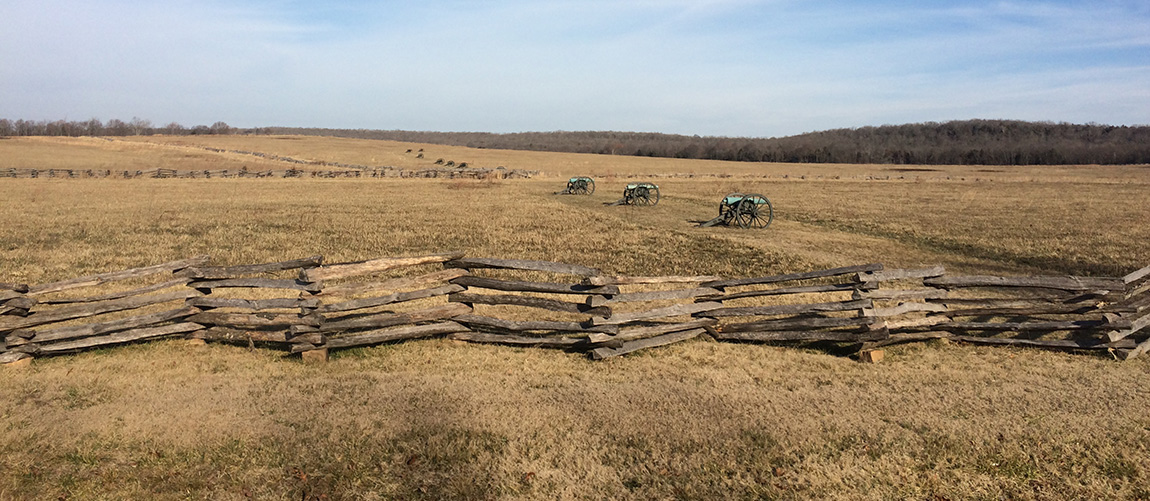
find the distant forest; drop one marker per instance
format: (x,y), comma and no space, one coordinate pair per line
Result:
(966,142)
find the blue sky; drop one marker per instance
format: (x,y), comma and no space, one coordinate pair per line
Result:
(711,67)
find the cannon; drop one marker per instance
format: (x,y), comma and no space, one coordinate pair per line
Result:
(745,211)
(646,194)
(579,186)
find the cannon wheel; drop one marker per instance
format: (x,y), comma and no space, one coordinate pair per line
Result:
(588,188)
(646,195)
(726,210)
(754,211)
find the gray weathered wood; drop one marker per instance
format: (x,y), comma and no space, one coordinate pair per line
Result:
(116,295)
(254,304)
(120,337)
(838,336)
(8,286)
(1017,310)
(1060,283)
(669,311)
(629,280)
(24,336)
(1135,352)
(638,297)
(1137,275)
(103,278)
(242,336)
(801,289)
(1068,344)
(562,343)
(397,334)
(905,308)
(253,320)
(1135,326)
(916,323)
(398,297)
(632,333)
(392,319)
(92,309)
(907,337)
(519,286)
(846,270)
(900,294)
(640,344)
(523,264)
(13,356)
(394,284)
(257,283)
(344,270)
(533,302)
(887,275)
(21,303)
(790,309)
(1036,326)
(7,295)
(479,321)
(222,272)
(799,324)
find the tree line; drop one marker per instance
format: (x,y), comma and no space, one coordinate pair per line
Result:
(113,127)
(965,142)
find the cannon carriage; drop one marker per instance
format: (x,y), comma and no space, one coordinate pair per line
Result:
(579,186)
(743,210)
(643,194)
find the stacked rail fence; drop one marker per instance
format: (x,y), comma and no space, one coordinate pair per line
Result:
(304,306)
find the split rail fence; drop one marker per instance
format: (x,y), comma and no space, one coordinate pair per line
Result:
(306,307)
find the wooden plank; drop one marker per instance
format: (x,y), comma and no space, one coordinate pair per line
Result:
(846,270)
(25,336)
(916,323)
(908,337)
(398,297)
(392,319)
(241,336)
(398,334)
(904,274)
(1024,326)
(344,270)
(801,289)
(254,304)
(478,321)
(1060,283)
(1135,326)
(645,331)
(257,283)
(1137,275)
(851,336)
(254,320)
(638,297)
(92,309)
(12,357)
(8,286)
(223,272)
(532,302)
(798,324)
(669,311)
(901,294)
(6,295)
(1067,344)
(117,295)
(103,278)
(905,308)
(562,343)
(523,264)
(1135,352)
(21,303)
(1138,290)
(642,344)
(121,337)
(394,284)
(1045,309)
(630,280)
(791,309)
(519,286)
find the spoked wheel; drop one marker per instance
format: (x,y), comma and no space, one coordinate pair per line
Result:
(647,195)
(589,188)
(754,211)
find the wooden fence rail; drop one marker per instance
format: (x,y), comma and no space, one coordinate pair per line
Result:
(308,307)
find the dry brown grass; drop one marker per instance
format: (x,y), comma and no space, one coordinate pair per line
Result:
(437,419)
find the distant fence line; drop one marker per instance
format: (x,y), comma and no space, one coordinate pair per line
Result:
(303,306)
(370,172)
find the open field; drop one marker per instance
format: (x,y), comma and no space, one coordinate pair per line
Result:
(434,419)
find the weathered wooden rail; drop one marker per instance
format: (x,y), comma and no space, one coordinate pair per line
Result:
(303,306)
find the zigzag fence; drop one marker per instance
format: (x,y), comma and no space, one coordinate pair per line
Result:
(303,306)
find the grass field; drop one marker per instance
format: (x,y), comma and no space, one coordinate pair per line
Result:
(435,419)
